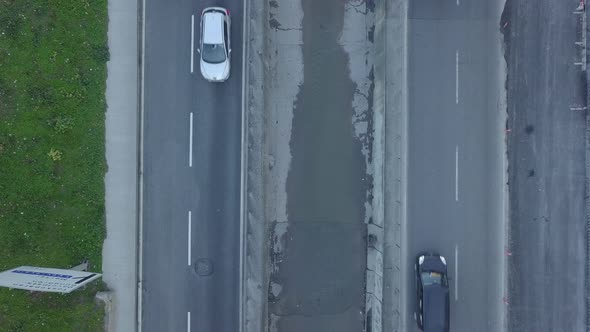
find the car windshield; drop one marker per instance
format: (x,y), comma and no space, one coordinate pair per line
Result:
(431,278)
(213,53)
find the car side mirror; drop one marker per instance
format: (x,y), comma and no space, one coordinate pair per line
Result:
(230,50)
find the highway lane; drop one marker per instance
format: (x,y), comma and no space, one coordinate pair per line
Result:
(191,176)
(454,171)
(547,267)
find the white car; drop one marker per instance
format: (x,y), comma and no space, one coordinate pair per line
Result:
(214,47)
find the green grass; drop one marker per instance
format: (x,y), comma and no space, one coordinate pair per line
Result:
(53,57)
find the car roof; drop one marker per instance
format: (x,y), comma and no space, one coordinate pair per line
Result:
(436,308)
(213,27)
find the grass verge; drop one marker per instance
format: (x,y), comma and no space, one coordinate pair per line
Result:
(53,57)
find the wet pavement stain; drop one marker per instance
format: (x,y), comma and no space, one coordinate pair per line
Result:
(325,182)
(321,271)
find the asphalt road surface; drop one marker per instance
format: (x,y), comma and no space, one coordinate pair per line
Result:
(546,275)
(453,165)
(191,182)
(317,279)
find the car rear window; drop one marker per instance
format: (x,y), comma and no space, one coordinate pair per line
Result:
(213,53)
(431,278)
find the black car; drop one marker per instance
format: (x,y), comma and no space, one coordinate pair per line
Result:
(432,288)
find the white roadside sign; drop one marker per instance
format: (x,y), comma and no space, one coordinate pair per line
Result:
(41,279)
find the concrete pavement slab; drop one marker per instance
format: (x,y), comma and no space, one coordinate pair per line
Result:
(121,181)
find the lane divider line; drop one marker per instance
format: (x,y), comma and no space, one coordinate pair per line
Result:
(189,238)
(190,142)
(457,77)
(188,321)
(457,173)
(192,40)
(456,272)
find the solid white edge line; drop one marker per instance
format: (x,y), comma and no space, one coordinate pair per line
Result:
(404,250)
(190,142)
(139,303)
(189,238)
(192,40)
(456,273)
(457,77)
(457,173)
(188,321)
(243,162)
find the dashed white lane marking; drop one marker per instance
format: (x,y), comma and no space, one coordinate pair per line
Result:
(457,77)
(457,173)
(188,321)
(190,142)
(192,41)
(189,238)
(456,272)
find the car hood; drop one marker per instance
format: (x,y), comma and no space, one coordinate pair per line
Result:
(215,71)
(436,308)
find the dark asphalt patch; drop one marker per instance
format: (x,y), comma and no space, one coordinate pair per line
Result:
(317,279)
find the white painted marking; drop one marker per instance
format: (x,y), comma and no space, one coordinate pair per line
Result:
(139,308)
(457,2)
(190,142)
(192,40)
(456,272)
(457,77)
(457,173)
(188,321)
(243,161)
(189,237)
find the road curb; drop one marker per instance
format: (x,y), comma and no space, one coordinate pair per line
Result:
(391,74)
(385,231)
(586,16)
(375,227)
(587,207)
(253,239)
